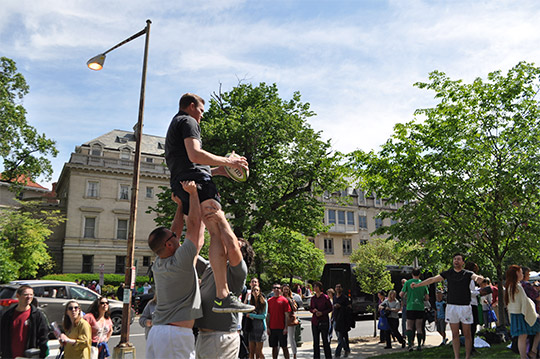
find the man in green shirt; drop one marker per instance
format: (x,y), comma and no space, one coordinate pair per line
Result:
(415,308)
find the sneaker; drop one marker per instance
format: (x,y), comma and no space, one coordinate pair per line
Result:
(403,344)
(346,354)
(231,304)
(411,349)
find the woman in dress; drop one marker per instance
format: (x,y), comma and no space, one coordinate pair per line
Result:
(257,334)
(291,326)
(99,318)
(78,337)
(523,318)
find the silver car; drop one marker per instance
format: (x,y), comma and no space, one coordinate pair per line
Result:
(52,296)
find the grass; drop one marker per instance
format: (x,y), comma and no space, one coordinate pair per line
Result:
(496,351)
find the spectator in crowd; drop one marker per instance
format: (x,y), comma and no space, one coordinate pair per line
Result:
(342,314)
(440,316)
(415,308)
(523,317)
(321,307)
(293,319)
(475,292)
(485,300)
(23,327)
(77,340)
(99,318)
(257,327)
(276,322)
(529,288)
(392,307)
(145,320)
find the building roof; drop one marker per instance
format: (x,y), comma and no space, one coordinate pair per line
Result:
(117,139)
(22,179)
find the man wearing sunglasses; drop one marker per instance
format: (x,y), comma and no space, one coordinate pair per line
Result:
(177,283)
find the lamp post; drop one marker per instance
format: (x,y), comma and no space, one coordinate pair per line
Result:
(124,348)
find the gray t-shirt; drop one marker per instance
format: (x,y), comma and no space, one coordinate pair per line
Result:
(236,279)
(177,288)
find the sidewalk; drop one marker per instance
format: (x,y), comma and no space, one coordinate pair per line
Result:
(361,348)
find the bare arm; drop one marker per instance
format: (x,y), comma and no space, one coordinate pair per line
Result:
(178,221)
(431,280)
(477,278)
(193,231)
(197,155)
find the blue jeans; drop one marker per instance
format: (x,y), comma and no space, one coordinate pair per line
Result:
(343,342)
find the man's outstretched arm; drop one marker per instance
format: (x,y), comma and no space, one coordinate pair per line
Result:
(194,224)
(431,280)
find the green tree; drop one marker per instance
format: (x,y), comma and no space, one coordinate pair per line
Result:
(286,254)
(371,260)
(466,169)
(24,151)
(23,232)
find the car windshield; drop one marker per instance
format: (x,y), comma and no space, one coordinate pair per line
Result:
(6,292)
(82,293)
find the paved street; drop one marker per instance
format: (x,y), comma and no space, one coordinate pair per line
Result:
(363,344)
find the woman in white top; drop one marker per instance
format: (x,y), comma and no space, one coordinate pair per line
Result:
(523,317)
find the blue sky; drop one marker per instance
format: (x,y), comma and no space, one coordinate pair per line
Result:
(355,62)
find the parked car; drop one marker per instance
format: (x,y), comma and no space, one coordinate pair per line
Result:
(52,296)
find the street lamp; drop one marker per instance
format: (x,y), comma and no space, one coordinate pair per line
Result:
(124,348)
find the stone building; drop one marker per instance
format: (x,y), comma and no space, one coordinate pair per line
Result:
(94,189)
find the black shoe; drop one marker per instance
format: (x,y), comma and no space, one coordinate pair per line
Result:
(388,347)
(403,344)
(411,349)
(419,348)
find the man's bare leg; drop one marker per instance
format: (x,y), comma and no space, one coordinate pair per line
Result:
(455,339)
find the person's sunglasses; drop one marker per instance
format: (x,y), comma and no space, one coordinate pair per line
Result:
(73,308)
(277,287)
(173,235)
(104,303)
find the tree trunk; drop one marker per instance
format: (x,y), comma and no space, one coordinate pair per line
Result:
(501,304)
(374,316)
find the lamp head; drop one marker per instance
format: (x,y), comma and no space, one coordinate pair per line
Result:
(96,62)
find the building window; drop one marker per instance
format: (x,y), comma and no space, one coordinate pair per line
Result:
(89,227)
(149,160)
(120,266)
(362,222)
(125,154)
(124,192)
(378,223)
(378,201)
(347,247)
(350,218)
(329,246)
(361,197)
(122,229)
(363,242)
(146,261)
(149,192)
(96,150)
(92,189)
(87,264)
(331,216)
(341,217)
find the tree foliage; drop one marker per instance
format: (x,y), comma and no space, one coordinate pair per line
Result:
(286,254)
(23,232)
(466,169)
(24,151)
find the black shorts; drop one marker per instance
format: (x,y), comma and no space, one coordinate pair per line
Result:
(415,314)
(277,337)
(205,189)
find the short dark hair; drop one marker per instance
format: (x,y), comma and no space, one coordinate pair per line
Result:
(458,254)
(156,238)
(416,272)
(525,270)
(318,284)
(22,288)
(189,98)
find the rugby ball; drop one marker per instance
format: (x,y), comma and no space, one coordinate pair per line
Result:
(238,175)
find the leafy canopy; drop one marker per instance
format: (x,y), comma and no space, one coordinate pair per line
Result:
(467,169)
(23,150)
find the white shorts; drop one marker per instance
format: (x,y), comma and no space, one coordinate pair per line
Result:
(170,342)
(214,345)
(459,314)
